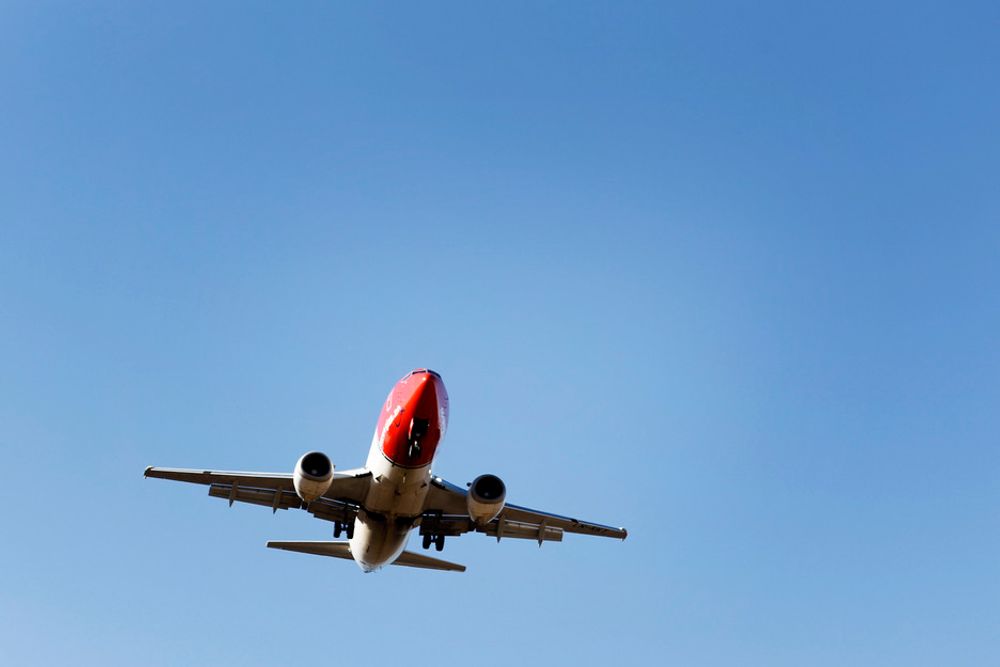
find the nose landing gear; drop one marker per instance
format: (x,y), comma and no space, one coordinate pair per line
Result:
(418,429)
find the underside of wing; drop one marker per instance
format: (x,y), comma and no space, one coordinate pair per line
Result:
(446,513)
(350,486)
(518,514)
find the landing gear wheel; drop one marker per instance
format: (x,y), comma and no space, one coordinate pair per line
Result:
(338,528)
(439,543)
(427,541)
(350,530)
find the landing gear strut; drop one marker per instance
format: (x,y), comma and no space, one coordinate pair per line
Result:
(342,527)
(436,540)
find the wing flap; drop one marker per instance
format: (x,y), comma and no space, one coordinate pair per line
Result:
(277,499)
(499,528)
(539,532)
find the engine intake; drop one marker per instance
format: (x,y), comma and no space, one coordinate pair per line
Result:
(485,499)
(313,476)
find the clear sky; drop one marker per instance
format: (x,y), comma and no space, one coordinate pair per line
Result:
(725,274)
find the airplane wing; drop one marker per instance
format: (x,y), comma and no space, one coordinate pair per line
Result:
(274,489)
(446,513)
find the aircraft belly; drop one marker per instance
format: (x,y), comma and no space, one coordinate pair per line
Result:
(395,497)
(377,540)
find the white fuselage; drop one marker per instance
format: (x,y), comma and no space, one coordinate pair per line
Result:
(412,422)
(395,501)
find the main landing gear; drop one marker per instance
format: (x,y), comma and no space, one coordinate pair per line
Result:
(436,540)
(342,527)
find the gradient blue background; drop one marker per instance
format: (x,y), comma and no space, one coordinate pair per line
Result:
(725,274)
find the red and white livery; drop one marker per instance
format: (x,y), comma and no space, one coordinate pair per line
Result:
(378,506)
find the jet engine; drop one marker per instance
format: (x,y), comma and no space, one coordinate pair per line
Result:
(485,499)
(313,475)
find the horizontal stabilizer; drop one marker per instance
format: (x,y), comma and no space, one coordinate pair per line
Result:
(343,550)
(334,549)
(412,559)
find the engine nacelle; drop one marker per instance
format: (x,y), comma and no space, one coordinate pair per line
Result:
(485,499)
(313,476)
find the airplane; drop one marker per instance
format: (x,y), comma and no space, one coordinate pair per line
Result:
(378,506)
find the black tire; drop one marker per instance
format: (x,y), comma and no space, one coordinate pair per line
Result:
(427,541)
(439,543)
(337,529)
(350,530)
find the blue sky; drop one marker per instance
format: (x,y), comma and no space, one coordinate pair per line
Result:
(723,273)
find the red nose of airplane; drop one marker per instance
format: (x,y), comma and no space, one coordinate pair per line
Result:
(424,394)
(418,410)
